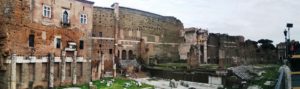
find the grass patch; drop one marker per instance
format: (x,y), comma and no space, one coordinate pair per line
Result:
(117,84)
(171,66)
(270,75)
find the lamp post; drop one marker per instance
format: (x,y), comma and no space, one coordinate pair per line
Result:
(288,25)
(286,46)
(287,36)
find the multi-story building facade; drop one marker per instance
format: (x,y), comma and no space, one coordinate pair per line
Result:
(134,34)
(45,43)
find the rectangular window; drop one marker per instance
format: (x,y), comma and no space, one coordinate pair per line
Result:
(66,16)
(58,42)
(31,40)
(110,51)
(83,19)
(47,11)
(81,44)
(100,34)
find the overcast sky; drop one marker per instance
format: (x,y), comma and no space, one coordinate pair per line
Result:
(254,19)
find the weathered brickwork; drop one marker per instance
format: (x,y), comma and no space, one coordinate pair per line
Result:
(194,37)
(224,48)
(28,33)
(140,34)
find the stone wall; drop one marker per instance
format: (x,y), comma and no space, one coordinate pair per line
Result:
(161,34)
(197,37)
(229,46)
(233,50)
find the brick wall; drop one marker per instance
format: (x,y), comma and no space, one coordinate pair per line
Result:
(135,25)
(21,18)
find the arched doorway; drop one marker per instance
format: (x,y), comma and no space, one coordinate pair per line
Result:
(130,54)
(65,17)
(124,54)
(118,54)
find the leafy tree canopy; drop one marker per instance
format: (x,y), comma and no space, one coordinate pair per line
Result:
(266,44)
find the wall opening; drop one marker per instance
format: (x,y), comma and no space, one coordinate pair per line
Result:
(124,54)
(130,54)
(81,44)
(31,40)
(58,42)
(65,17)
(110,51)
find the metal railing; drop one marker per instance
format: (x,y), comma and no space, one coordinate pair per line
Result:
(281,80)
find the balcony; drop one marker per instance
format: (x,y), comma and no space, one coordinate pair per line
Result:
(65,24)
(71,46)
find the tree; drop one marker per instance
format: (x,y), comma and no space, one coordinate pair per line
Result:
(266,44)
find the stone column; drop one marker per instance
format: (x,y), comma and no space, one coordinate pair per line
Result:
(74,79)
(13,83)
(205,52)
(100,65)
(114,66)
(51,71)
(199,53)
(63,66)
(116,33)
(221,58)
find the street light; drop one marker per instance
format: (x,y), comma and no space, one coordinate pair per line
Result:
(287,40)
(289,25)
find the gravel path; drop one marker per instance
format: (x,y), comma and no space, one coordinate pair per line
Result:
(164,84)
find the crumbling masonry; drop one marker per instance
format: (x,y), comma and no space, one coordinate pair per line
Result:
(44,43)
(134,34)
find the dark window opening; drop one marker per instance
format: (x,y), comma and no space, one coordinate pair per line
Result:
(65,17)
(110,51)
(100,34)
(130,55)
(124,54)
(58,42)
(31,40)
(81,44)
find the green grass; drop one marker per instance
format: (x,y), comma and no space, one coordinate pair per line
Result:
(117,84)
(171,66)
(270,75)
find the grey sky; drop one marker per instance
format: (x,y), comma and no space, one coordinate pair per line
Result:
(254,19)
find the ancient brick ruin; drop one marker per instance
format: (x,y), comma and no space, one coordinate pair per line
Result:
(138,35)
(49,43)
(44,43)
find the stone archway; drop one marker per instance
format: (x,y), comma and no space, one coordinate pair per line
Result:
(130,55)
(124,54)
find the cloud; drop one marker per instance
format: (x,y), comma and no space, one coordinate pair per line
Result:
(254,19)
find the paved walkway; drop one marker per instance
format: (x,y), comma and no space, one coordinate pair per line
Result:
(164,84)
